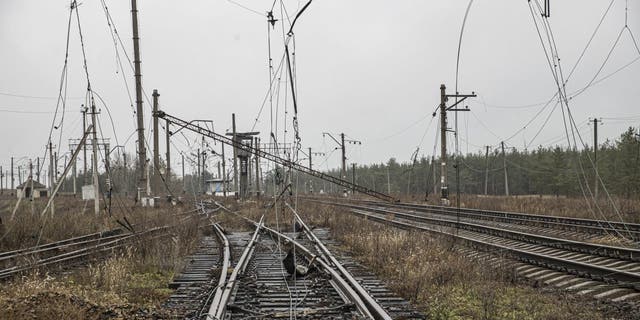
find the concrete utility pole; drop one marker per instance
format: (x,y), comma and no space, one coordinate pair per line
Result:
(198,172)
(168,156)
(341,144)
(124,168)
(53,208)
(225,184)
(184,186)
(1,185)
(443,145)
(74,176)
(37,169)
(156,146)
(258,167)
(84,147)
(506,176)
(444,97)
(353,176)
(202,177)
(310,162)
(138,78)
(344,157)
(94,142)
(595,155)
(235,155)
(435,179)
(55,168)
(12,178)
(486,171)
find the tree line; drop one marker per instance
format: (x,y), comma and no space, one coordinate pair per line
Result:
(544,171)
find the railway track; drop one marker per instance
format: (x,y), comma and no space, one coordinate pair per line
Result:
(203,277)
(76,250)
(275,274)
(613,271)
(576,225)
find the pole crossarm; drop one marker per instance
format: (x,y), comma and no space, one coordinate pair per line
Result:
(463,96)
(265,155)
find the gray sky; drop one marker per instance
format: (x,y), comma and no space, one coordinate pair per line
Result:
(371,69)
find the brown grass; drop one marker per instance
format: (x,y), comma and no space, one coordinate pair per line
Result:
(434,276)
(576,207)
(130,284)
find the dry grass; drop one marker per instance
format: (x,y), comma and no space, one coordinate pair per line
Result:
(131,284)
(547,205)
(73,218)
(428,271)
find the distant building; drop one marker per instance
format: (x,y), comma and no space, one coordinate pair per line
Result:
(25,189)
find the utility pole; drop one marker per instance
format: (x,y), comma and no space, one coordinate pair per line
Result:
(595,155)
(126,176)
(84,147)
(486,171)
(202,179)
(156,146)
(225,183)
(443,146)
(344,157)
(168,156)
(444,97)
(258,167)
(235,155)
(435,179)
(96,189)
(53,208)
(138,78)
(37,169)
(1,185)
(198,171)
(310,162)
(183,182)
(341,144)
(74,176)
(506,176)
(55,168)
(12,178)
(353,176)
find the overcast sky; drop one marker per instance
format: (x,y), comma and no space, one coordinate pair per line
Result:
(371,69)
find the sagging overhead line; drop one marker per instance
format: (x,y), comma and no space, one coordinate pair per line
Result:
(268,156)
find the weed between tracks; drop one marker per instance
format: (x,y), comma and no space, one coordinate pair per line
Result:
(131,284)
(428,271)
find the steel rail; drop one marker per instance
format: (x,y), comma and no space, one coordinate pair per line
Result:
(98,236)
(343,285)
(222,280)
(86,251)
(629,254)
(6,273)
(218,307)
(627,279)
(600,226)
(374,308)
